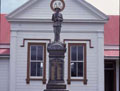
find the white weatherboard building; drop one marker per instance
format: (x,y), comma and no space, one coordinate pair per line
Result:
(32,30)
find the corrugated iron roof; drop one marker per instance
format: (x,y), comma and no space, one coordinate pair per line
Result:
(111,31)
(4,51)
(4,30)
(113,53)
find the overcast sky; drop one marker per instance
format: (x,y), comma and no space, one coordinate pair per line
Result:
(9,5)
(110,7)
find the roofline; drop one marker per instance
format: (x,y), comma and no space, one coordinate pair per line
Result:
(4,43)
(111,45)
(64,21)
(112,57)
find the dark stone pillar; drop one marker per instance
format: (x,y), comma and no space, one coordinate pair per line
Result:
(56,67)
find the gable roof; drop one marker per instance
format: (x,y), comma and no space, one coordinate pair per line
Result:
(111,53)
(83,3)
(4,35)
(4,52)
(111,31)
(4,30)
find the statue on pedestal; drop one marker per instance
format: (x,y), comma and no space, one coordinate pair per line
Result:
(57,18)
(56,51)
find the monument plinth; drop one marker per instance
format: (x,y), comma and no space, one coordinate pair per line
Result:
(56,62)
(56,67)
(56,51)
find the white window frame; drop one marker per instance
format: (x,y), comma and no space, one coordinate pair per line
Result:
(40,61)
(76,61)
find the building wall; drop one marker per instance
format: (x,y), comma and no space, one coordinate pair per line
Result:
(18,59)
(95,59)
(4,74)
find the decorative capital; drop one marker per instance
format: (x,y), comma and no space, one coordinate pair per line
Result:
(57,4)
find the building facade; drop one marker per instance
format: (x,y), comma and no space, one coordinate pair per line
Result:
(27,67)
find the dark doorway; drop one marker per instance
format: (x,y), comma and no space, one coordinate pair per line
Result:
(110,76)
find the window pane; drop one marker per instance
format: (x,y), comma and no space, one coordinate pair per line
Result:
(73,53)
(40,53)
(73,69)
(39,69)
(80,53)
(33,52)
(33,68)
(80,69)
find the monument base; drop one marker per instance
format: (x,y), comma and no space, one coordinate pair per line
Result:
(56,90)
(56,87)
(56,63)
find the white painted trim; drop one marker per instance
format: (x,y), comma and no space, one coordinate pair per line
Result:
(12,72)
(100,59)
(111,47)
(50,21)
(51,31)
(111,57)
(4,46)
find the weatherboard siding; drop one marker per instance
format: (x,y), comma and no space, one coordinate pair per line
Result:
(4,74)
(92,54)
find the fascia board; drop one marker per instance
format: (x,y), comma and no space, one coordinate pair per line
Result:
(65,20)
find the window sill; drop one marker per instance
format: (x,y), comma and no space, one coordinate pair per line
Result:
(83,80)
(36,79)
(76,79)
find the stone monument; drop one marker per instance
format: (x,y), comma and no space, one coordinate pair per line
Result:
(56,51)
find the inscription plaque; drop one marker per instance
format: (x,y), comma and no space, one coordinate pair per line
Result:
(59,73)
(56,71)
(52,71)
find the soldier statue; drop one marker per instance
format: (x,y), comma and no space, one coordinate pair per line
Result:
(57,18)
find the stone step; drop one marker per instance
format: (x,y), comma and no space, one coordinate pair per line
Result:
(56,90)
(56,86)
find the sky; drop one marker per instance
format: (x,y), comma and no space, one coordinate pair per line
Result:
(109,7)
(9,5)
